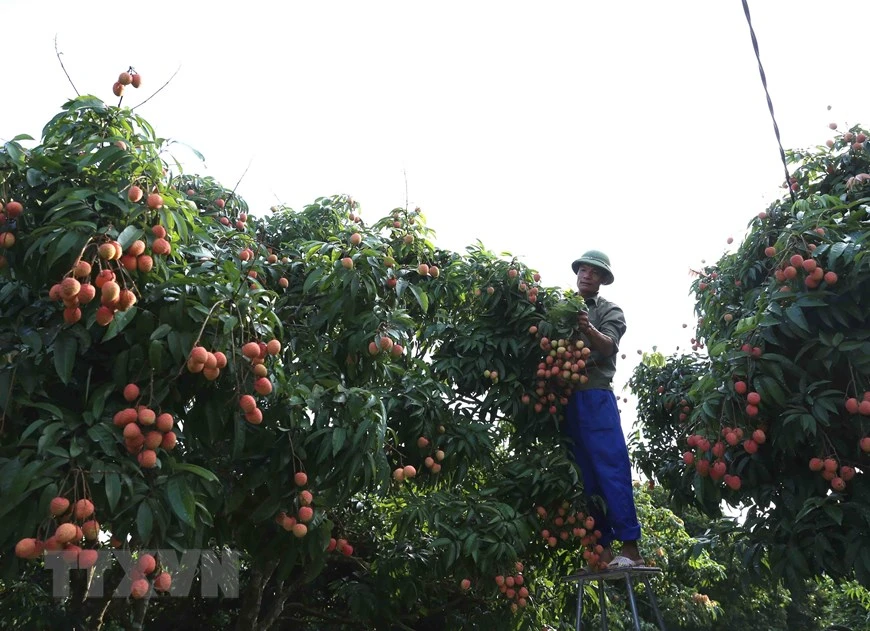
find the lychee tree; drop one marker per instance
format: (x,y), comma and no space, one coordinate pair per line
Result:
(775,416)
(333,399)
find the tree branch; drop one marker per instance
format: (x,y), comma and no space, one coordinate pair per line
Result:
(101,614)
(158,89)
(58,53)
(322,615)
(244,173)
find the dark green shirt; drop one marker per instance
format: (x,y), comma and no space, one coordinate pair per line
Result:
(608,318)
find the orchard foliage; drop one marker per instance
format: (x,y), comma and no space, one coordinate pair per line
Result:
(776,416)
(345,403)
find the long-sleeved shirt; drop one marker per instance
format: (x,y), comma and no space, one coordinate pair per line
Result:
(608,318)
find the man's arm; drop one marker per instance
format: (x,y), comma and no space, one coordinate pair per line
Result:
(598,341)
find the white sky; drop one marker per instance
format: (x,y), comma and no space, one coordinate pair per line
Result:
(543,129)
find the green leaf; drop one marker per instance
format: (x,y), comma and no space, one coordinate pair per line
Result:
(314,568)
(35,425)
(160,332)
(65,347)
(339,435)
(85,103)
(267,509)
(312,279)
(401,284)
(239,428)
(113,489)
(796,315)
(746,324)
(97,400)
(35,177)
(144,521)
(128,235)
(288,562)
(31,338)
(100,433)
(718,349)
(769,388)
(194,151)
(811,301)
(71,242)
(181,500)
(834,512)
(119,323)
(205,474)
(75,448)
(48,407)
(836,252)
(14,151)
(421,296)
(155,355)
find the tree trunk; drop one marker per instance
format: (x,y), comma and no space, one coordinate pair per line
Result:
(139,608)
(277,607)
(253,599)
(79,605)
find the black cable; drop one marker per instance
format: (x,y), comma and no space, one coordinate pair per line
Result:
(769,102)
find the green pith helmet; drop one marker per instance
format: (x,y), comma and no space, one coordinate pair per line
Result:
(598,259)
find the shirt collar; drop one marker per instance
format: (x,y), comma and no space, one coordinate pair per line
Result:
(592,301)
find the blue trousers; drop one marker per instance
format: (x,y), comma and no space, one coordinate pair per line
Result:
(592,422)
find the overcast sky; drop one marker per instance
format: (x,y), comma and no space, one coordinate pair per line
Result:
(543,129)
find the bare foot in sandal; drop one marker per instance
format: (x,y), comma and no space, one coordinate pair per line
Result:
(629,556)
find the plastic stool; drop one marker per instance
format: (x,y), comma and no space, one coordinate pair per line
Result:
(643,573)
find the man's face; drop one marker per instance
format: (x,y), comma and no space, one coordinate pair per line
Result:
(588,280)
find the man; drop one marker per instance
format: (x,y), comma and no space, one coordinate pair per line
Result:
(592,418)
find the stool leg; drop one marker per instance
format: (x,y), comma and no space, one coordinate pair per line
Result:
(602,605)
(654,603)
(631,601)
(579,625)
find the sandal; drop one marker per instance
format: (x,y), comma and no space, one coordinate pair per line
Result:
(622,563)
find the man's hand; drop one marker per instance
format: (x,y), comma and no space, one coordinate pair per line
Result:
(583,321)
(598,341)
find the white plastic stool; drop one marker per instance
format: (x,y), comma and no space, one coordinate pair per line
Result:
(643,573)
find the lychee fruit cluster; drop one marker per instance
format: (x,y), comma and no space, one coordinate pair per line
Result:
(144,430)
